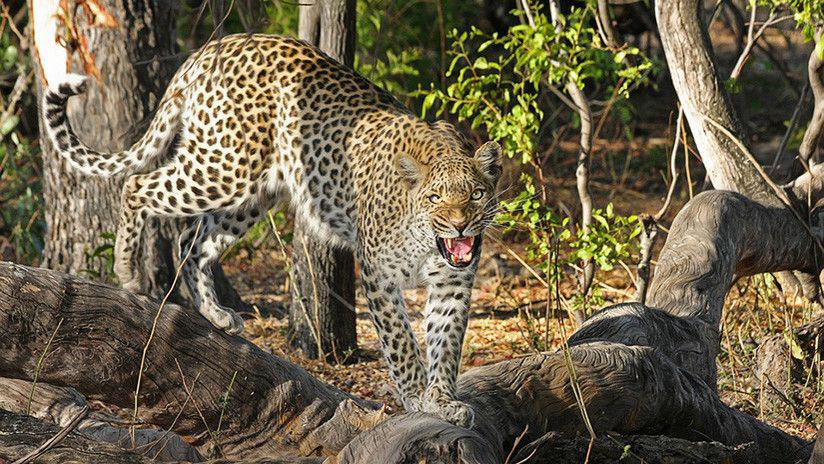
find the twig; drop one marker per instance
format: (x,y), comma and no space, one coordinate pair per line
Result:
(189,391)
(649,231)
(580,103)
(151,445)
(753,37)
(517,440)
(39,365)
(649,224)
(20,86)
(157,319)
(679,127)
(225,403)
(57,438)
(790,127)
(298,296)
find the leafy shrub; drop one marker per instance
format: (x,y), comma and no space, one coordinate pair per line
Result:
(499,84)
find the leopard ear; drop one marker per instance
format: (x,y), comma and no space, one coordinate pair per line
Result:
(489,155)
(412,172)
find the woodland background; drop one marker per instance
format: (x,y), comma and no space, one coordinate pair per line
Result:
(600,161)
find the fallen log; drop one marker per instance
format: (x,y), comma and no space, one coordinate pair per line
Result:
(59,405)
(273,406)
(640,369)
(21,435)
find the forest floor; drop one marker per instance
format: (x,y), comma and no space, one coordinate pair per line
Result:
(509,319)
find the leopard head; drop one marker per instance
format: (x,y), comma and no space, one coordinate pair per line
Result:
(453,191)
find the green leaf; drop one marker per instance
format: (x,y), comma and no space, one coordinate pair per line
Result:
(9,124)
(795,349)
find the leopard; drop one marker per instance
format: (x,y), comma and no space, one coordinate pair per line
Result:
(251,121)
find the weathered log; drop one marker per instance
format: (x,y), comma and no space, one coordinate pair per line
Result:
(21,434)
(640,369)
(818,452)
(59,405)
(273,406)
(626,450)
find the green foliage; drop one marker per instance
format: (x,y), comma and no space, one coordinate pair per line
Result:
(101,257)
(398,41)
(391,72)
(21,202)
(809,14)
(498,79)
(498,82)
(282,17)
(609,240)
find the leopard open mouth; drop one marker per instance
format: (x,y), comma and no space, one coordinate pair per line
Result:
(459,251)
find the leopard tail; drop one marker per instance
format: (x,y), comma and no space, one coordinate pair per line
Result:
(81,157)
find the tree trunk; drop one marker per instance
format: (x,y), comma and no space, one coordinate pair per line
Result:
(702,94)
(110,116)
(322,314)
(707,106)
(134,60)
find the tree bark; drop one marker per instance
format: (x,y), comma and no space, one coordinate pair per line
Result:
(706,103)
(272,405)
(79,209)
(818,450)
(702,94)
(133,59)
(21,434)
(322,319)
(59,405)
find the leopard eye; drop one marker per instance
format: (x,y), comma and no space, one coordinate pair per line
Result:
(477,194)
(434,198)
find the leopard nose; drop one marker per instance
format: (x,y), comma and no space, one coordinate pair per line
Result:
(459,225)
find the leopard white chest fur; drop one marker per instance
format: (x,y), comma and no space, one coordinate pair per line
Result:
(261,117)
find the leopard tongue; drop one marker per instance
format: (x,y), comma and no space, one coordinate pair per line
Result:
(460,248)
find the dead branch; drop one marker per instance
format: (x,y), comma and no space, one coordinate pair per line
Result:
(812,136)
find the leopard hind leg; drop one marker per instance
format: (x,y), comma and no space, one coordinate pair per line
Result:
(201,246)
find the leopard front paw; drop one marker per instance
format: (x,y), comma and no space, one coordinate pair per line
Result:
(222,318)
(452,411)
(129,280)
(412,404)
